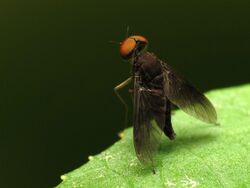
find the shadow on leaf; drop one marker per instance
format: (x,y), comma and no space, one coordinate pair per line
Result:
(186,141)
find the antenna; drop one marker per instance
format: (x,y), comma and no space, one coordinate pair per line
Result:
(119,43)
(114,42)
(127,32)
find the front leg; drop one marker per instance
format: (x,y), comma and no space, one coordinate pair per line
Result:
(116,89)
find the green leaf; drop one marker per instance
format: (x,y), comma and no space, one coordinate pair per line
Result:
(202,155)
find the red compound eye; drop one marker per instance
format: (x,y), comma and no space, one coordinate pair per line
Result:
(128,46)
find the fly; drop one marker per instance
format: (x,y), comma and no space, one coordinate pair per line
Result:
(155,86)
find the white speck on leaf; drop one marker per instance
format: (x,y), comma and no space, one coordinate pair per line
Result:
(108,157)
(100,176)
(169,184)
(90,157)
(132,164)
(188,182)
(63,177)
(121,135)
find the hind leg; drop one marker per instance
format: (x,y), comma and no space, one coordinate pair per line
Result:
(168,129)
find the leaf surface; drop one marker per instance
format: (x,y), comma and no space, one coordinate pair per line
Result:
(202,155)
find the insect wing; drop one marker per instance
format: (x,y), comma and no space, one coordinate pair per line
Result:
(181,93)
(149,120)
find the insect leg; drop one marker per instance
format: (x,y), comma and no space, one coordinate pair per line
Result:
(168,129)
(116,89)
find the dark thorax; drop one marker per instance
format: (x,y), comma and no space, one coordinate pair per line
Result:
(149,69)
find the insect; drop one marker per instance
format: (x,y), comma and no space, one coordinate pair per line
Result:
(155,86)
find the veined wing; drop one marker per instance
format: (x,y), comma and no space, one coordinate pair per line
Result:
(181,93)
(149,120)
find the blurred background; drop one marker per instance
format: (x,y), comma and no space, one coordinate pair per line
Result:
(58,70)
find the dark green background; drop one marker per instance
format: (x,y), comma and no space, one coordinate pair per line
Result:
(57,72)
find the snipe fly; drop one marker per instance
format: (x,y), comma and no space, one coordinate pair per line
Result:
(155,86)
